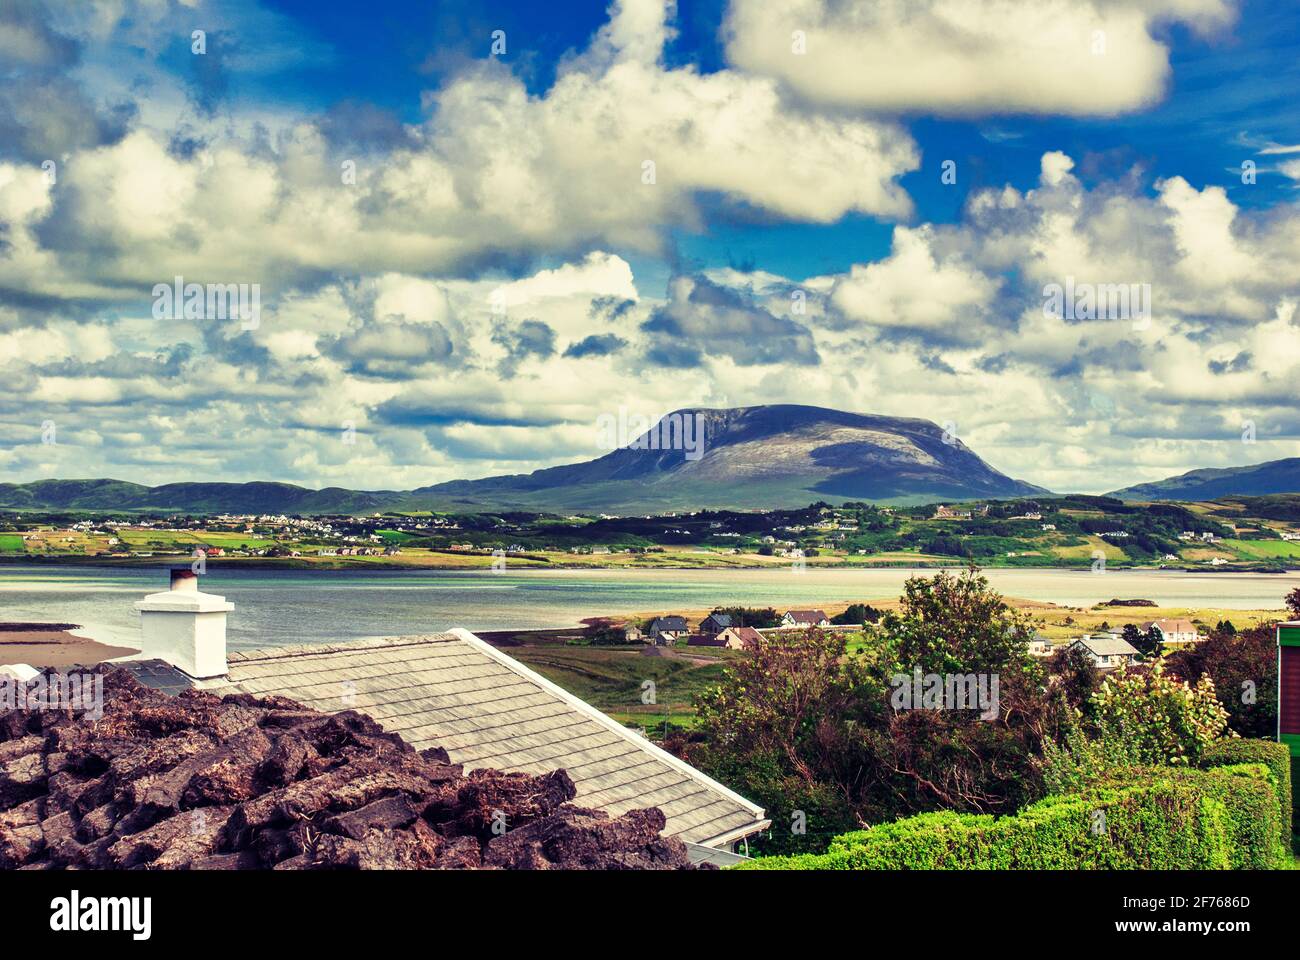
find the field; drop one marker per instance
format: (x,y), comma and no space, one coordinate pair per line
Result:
(1265,549)
(186,540)
(11,543)
(616,680)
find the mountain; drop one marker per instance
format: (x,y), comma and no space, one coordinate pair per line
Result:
(750,457)
(1261,479)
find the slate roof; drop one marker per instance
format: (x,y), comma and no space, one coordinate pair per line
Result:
(659,624)
(1103,646)
(455,691)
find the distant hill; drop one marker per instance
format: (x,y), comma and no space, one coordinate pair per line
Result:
(1261,479)
(751,457)
(199,498)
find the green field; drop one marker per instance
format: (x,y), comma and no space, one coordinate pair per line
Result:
(11,543)
(1264,549)
(188,538)
(612,679)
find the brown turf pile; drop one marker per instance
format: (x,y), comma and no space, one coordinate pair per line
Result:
(200,781)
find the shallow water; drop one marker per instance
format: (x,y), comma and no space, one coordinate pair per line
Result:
(297,606)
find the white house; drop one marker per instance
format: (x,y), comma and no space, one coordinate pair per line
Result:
(805,618)
(1174,631)
(1106,650)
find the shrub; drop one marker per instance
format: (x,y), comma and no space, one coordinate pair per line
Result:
(1275,756)
(1226,818)
(1163,720)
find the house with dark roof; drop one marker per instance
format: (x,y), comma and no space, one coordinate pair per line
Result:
(451,690)
(674,626)
(805,618)
(715,623)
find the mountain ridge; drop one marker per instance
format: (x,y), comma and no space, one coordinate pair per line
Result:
(757,457)
(1210,483)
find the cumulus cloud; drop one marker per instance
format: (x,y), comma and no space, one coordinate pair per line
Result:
(493,176)
(702,318)
(1074,57)
(912,290)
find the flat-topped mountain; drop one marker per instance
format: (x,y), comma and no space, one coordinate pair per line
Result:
(769,456)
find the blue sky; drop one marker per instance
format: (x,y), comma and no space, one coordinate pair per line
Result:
(499,272)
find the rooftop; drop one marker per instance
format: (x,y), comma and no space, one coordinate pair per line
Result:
(455,691)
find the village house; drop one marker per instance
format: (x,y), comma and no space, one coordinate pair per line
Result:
(805,618)
(740,638)
(1106,650)
(715,623)
(672,625)
(1041,647)
(1174,631)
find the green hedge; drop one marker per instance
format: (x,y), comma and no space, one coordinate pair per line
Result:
(1276,756)
(1218,819)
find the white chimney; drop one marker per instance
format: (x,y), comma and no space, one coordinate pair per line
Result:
(185,627)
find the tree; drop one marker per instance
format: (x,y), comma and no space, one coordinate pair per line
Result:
(858,613)
(1149,644)
(1293,603)
(785,727)
(756,617)
(1243,666)
(802,725)
(957,624)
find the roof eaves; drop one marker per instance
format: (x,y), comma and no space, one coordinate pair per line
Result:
(610,724)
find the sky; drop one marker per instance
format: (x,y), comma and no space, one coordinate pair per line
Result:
(475,229)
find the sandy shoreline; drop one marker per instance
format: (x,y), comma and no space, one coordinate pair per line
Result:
(53,645)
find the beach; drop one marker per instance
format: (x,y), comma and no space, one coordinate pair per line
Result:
(52,645)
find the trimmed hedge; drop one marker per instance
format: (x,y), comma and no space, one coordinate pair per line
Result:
(1276,756)
(1227,818)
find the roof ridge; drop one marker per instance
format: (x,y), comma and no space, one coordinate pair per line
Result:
(333,646)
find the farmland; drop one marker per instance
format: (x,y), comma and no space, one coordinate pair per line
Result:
(1072,531)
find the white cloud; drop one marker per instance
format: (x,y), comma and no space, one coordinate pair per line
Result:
(911,290)
(1074,57)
